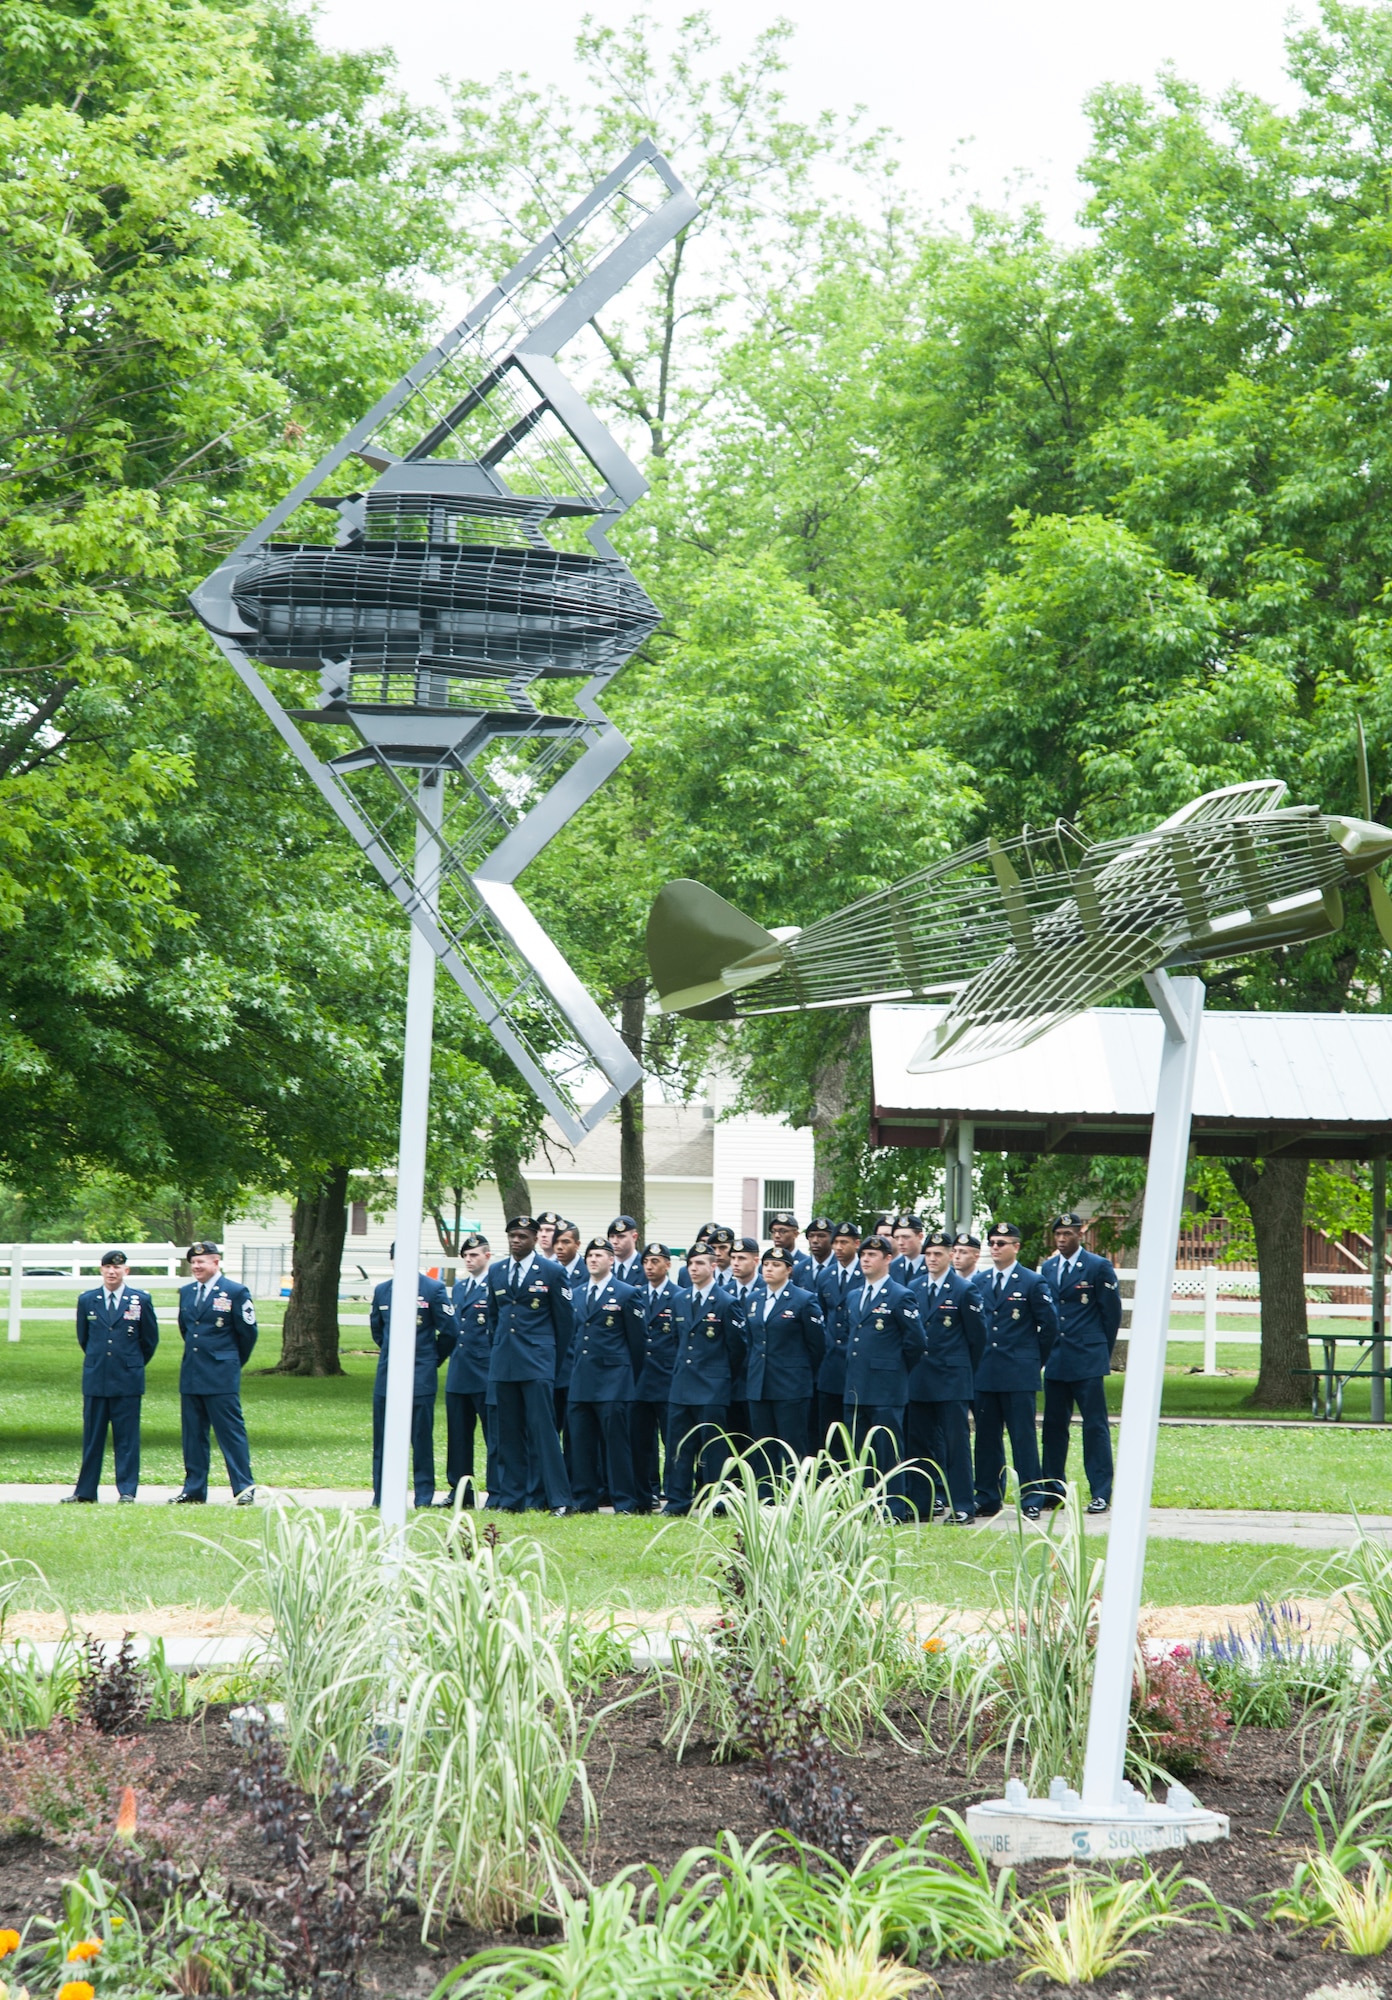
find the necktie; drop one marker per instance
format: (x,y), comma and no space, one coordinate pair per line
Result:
(516,1274)
(845,1283)
(594,1294)
(999,1288)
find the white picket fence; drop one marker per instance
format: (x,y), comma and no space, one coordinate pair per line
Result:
(1192,1290)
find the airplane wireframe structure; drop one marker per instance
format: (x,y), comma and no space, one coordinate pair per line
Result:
(1019,934)
(474,565)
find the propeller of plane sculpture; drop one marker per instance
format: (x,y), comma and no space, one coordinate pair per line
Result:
(1017,935)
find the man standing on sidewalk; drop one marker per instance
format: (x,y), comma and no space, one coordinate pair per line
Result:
(118,1333)
(1089,1310)
(217,1322)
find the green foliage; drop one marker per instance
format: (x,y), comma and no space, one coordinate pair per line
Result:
(196,1944)
(810,1598)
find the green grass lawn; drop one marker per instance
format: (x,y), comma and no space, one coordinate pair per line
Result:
(307,1433)
(112,1559)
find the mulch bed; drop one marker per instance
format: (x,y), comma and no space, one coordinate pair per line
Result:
(652,1809)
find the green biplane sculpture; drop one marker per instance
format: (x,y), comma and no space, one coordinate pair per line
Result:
(1020,934)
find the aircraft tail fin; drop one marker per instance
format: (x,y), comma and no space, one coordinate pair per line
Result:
(693,937)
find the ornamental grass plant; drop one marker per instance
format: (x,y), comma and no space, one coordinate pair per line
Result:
(809,1590)
(436,1675)
(1029,1690)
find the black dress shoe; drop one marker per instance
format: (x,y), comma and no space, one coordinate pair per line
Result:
(188,1500)
(675,1513)
(1030,1513)
(963,1520)
(78,1500)
(562,1513)
(1098,1507)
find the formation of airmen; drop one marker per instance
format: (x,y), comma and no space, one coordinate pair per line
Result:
(599,1378)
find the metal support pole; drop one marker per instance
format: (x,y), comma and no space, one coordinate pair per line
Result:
(950,1222)
(1210,1319)
(966,1158)
(1379,1349)
(16,1288)
(410,1169)
(1180,1002)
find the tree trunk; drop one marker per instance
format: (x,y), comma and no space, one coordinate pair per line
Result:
(513,1191)
(1275,1193)
(309,1339)
(633,1178)
(833,1087)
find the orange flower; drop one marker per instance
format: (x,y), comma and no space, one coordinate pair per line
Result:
(87,1948)
(935,1645)
(77,1989)
(9,1941)
(125,1818)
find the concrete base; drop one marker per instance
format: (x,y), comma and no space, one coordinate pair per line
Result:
(1059,1828)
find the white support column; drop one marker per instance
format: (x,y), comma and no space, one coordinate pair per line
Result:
(1180,1002)
(950,1179)
(16,1288)
(966,1161)
(1210,1319)
(410,1170)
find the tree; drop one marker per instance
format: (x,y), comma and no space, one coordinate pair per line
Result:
(211,233)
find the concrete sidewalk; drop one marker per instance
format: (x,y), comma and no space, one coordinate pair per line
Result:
(1183,1524)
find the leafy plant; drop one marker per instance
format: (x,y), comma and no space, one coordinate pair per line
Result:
(1327,1892)
(801,1785)
(809,1589)
(1094,1931)
(1181,1722)
(113,1695)
(845,1971)
(1263,1673)
(197,1944)
(321,1932)
(65,1783)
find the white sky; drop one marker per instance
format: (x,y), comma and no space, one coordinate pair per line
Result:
(1009,76)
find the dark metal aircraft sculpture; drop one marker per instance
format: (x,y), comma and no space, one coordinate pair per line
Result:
(1017,935)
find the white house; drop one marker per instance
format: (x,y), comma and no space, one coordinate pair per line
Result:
(704,1164)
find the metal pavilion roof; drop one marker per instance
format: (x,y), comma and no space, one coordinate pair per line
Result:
(1312,1085)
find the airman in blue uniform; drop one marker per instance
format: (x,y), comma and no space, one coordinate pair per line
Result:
(623,1248)
(841,1279)
(937,1436)
(666,1308)
(786,1337)
(886,1339)
(1088,1296)
(435,1334)
(118,1333)
(701,1241)
(530,1324)
(608,1350)
(783,1228)
(710,1355)
(217,1322)
(744,1282)
(906,1234)
(1021,1326)
(466,1378)
(818,1260)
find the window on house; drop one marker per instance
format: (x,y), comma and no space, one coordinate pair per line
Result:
(357,1219)
(777,1194)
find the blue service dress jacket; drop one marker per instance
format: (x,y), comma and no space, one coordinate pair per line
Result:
(467,1374)
(710,1352)
(665,1313)
(607,1348)
(218,1337)
(115,1350)
(530,1325)
(831,1376)
(905,1273)
(885,1340)
(786,1341)
(436,1328)
(954,1329)
(1020,1329)
(1088,1302)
